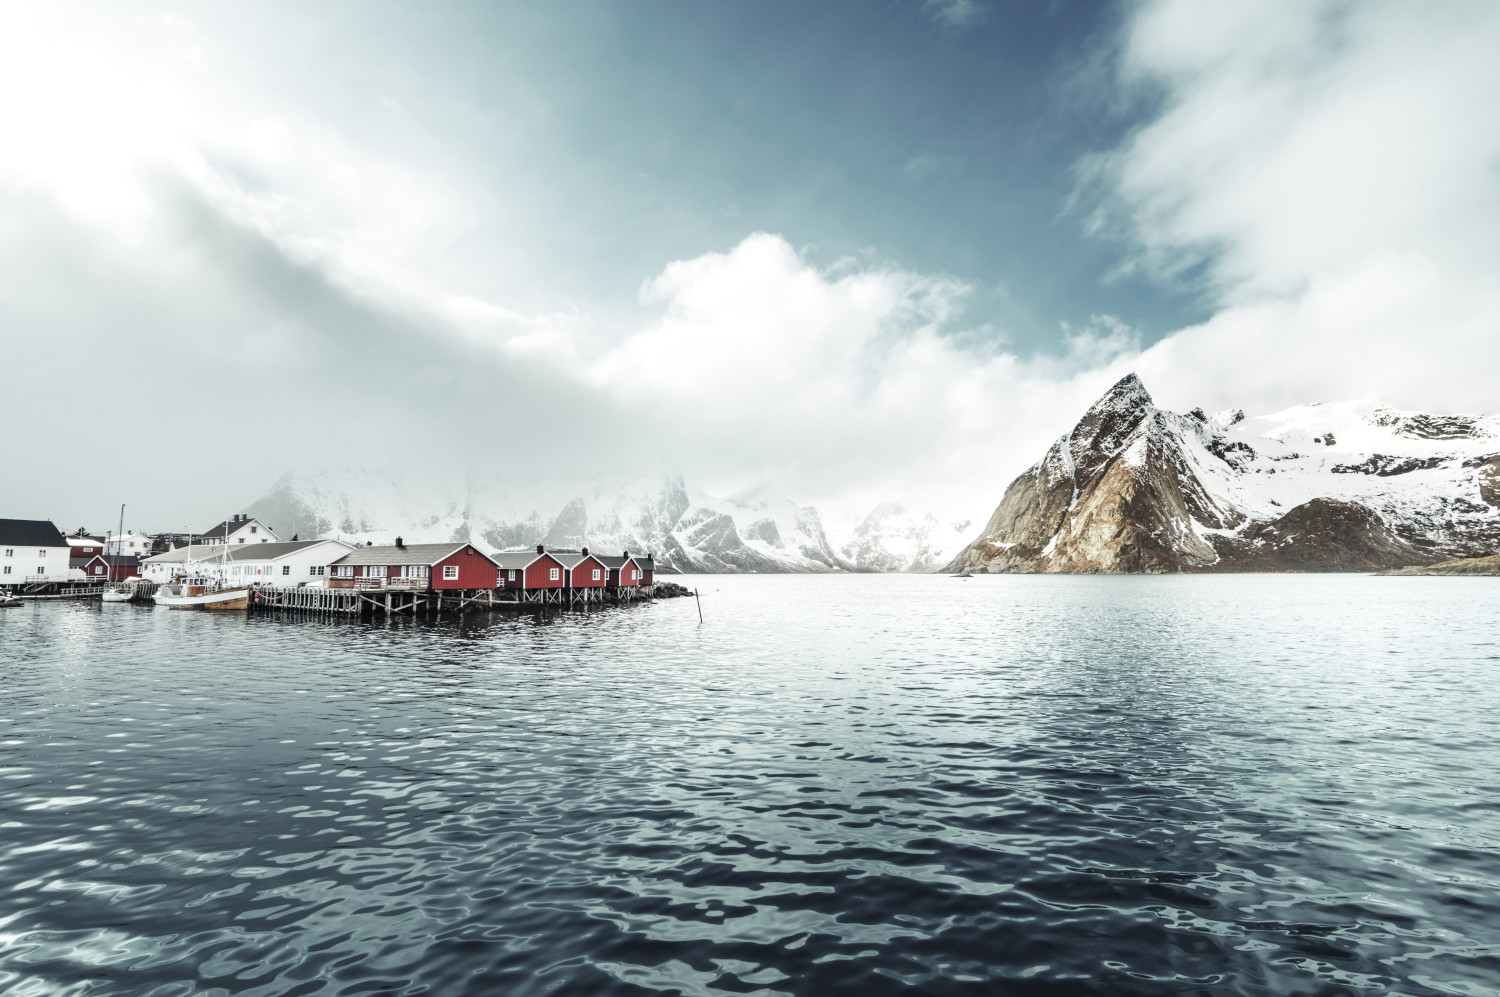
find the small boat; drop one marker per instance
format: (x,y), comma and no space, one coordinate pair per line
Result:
(202,593)
(123,592)
(6,599)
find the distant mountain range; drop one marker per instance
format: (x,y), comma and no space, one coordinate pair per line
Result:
(1343,487)
(752,531)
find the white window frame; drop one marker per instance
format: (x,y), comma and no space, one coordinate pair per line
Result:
(450,572)
(555,576)
(596,574)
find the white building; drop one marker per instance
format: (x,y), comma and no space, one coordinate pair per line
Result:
(238,529)
(129,543)
(32,551)
(289,563)
(199,559)
(295,562)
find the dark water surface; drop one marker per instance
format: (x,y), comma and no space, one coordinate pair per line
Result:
(867,785)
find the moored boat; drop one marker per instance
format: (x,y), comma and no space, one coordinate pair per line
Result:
(202,593)
(7,599)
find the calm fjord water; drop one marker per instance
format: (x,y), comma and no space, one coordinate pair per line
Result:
(1215,785)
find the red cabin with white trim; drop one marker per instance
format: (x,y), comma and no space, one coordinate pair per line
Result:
(414,566)
(527,571)
(584,570)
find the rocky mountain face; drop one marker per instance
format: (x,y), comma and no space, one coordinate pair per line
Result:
(1348,487)
(753,531)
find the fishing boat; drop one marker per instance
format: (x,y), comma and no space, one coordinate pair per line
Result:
(6,599)
(199,592)
(118,593)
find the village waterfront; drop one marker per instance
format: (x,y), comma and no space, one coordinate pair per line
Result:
(841,784)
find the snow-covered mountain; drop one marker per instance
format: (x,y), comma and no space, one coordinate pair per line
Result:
(754,530)
(1350,486)
(892,539)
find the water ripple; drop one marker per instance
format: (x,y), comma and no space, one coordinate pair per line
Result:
(1047,786)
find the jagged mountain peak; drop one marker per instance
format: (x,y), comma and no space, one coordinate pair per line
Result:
(1339,486)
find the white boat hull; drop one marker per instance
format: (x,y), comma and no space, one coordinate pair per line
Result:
(173,597)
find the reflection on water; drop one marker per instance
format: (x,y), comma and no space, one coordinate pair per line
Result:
(1239,785)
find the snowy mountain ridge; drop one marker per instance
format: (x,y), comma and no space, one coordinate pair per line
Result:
(755,530)
(1348,486)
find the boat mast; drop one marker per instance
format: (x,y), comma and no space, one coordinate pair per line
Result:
(119,539)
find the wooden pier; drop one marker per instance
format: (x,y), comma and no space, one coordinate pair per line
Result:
(397,600)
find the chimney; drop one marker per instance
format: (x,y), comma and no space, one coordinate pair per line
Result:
(399,544)
(585,552)
(540,549)
(626,554)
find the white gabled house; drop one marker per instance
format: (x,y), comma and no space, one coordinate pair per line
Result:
(290,563)
(238,529)
(32,551)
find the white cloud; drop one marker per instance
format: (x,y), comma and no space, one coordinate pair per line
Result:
(1327,173)
(954,13)
(1332,168)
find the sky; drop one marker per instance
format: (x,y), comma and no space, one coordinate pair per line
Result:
(855,252)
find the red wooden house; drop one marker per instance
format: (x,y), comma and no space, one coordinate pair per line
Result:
(624,572)
(647,567)
(529,571)
(414,566)
(583,570)
(93,569)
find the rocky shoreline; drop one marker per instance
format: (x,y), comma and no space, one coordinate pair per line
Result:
(1489,565)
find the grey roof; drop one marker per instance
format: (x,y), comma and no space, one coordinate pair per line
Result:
(645,561)
(610,560)
(229,526)
(269,551)
(516,559)
(30,533)
(570,560)
(409,554)
(197,552)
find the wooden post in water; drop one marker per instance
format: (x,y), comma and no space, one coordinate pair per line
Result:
(700,605)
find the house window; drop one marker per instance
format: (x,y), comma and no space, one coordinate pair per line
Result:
(286,569)
(450,572)
(510,575)
(554,576)
(10,552)
(98,570)
(596,574)
(7,569)
(41,553)
(253,530)
(241,540)
(375,571)
(344,570)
